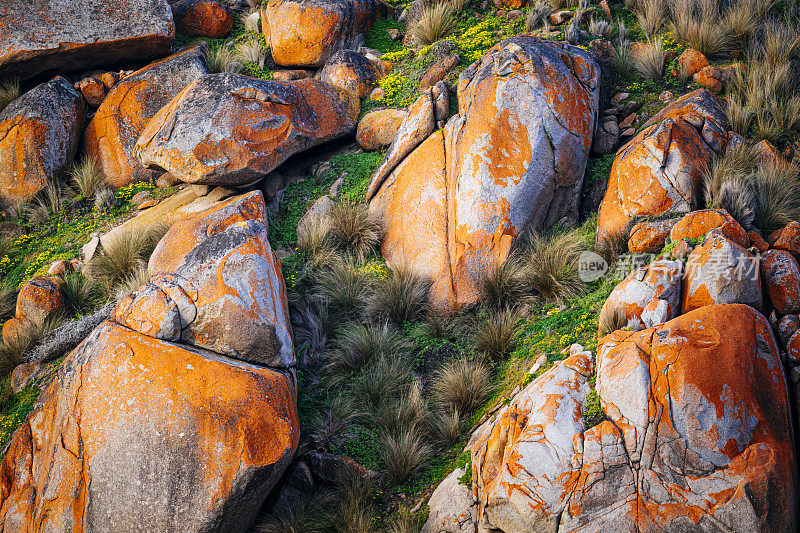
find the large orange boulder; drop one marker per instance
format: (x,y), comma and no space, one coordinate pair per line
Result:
(120,119)
(697,436)
(697,224)
(782,280)
(648,296)
(204,18)
(231,130)
(514,157)
(658,171)
(352,71)
(42,35)
(719,271)
(788,238)
(220,263)
(40,298)
(144,426)
(378,128)
(39,135)
(306,33)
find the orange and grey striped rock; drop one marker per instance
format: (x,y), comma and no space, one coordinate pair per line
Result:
(306,33)
(70,35)
(697,436)
(39,135)
(658,171)
(231,130)
(514,157)
(146,427)
(120,119)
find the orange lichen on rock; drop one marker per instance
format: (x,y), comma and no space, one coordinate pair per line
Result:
(352,71)
(697,224)
(650,236)
(205,18)
(782,280)
(378,128)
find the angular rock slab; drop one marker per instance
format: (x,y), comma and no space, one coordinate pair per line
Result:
(69,35)
(231,130)
(221,259)
(697,437)
(140,434)
(658,171)
(39,134)
(514,157)
(306,33)
(113,131)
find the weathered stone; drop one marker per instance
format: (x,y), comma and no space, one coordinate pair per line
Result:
(658,171)
(788,238)
(93,91)
(692,61)
(721,272)
(378,128)
(231,130)
(68,35)
(352,71)
(291,75)
(782,280)
(650,236)
(39,134)
(787,325)
(39,299)
(514,157)
(111,135)
(697,224)
(438,71)
(452,507)
(648,296)
(306,33)
(205,18)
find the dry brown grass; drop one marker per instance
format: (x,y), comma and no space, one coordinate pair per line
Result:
(436,22)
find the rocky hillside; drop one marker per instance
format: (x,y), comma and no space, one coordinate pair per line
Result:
(447,266)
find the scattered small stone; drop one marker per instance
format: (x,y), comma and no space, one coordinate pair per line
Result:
(617,98)
(376,94)
(394,34)
(628,133)
(141,196)
(514,14)
(627,121)
(665,96)
(167,180)
(334,190)
(682,249)
(59,267)
(149,203)
(560,17)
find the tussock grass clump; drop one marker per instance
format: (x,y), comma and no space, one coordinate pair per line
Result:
(310,512)
(354,512)
(649,60)
(462,385)
(496,337)
(448,426)
(405,522)
(88,177)
(652,15)
(354,229)
(404,454)
(599,27)
(223,59)
(734,163)
(123,256)
(401,297)
(777,196)
(380,385)
(623,60)
(341,288)
(537,16)
(697,23)
(81,295)
(11,352)
(435,23)
(331,423)
(50,201)
(9,91)
(133,281)
(504,285)
(250,51)
(411,412)
(8,298)
(611,322)
(551,265)
(358,345)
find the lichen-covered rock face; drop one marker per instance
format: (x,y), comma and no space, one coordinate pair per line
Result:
(721,272)
(306,33)
(231,130)
(220,264)
(698,436)
(352,71)
(69,35)
(782,280)
(39,299)
(39,134)
(650,236)
(137,432)
(697,224)
(513,157)
(788,238)
(378,128)
(144,426)
(658,171)
(452,508)
(120,119)
(648,296)
(205,18)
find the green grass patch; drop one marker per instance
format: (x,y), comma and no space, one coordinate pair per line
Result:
(14,413)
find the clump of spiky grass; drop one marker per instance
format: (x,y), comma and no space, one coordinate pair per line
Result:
(504,285)
(777,196)
(698,23)
(308,512)
(537,16)
(358,345)
(496,336)
(50,201)
(125,255)
(623,33)
(400,297)
(622,59)
(380,385)
(341,288)
(649,59)
(652,15)
(81,295)
(9,91)
(734,163)
(462,385)
(315,244)
(88,177)
(331,423)
(779,42)
(742,19)
(435,23)
(8,299)
(405,522)
(223,59)
(447,427)
(13,349)
(410,412)
(404,454)
(250,51)
(354,229)
(599,27)
(610,322)
(551,265)
(130,283)
(354,512)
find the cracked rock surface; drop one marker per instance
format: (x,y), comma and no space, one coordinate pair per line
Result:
(148,426)
(454,200)
(697,436)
